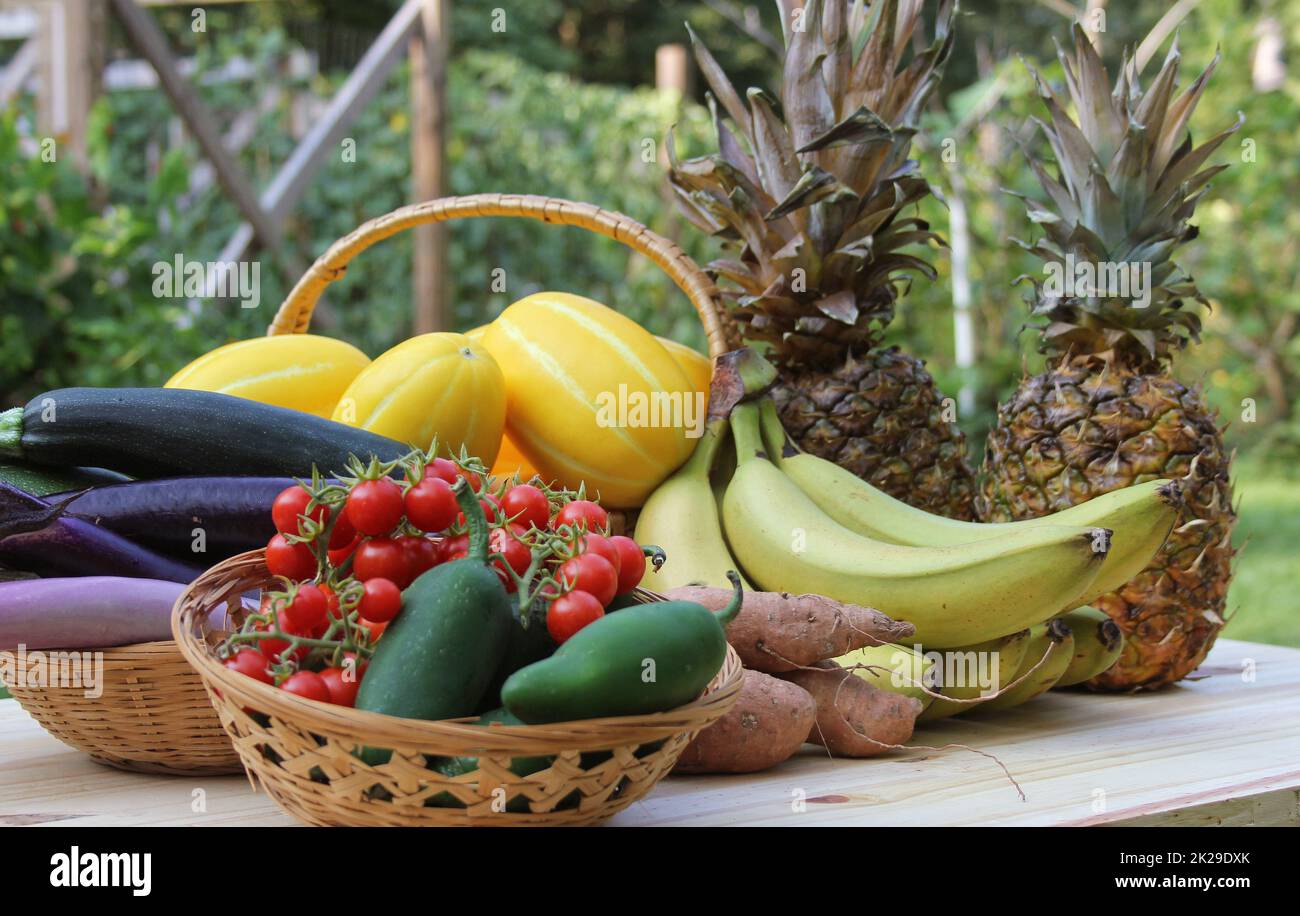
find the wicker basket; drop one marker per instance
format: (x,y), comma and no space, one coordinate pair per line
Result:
(301,751)
(152,717)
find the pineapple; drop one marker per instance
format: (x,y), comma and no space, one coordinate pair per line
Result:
(1107,413)
(812,191)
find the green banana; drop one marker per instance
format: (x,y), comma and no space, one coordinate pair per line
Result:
(1141,516)
(681,517)
(1052,639)
(954,596)
(963,668)
(895,668)
(1098,644)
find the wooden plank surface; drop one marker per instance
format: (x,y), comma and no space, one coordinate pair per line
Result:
(1222,749)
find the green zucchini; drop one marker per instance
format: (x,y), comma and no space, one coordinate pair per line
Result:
(439,654)
(39,481)
(163,432)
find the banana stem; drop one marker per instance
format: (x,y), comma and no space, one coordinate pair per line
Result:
(706,450)
(774,436)
(744,428)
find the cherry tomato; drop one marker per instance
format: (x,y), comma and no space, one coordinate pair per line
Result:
(601,546)
(252,663)
(582,512)
(430,505)
(308,612)
(442,469)
(381,601)
(340,556)
(343,533)
(381,558)
(591,573)
(375,506)
(275,648)
(341,685)
(421,554)
(570,613)
(307,684)
(475,481)
(293,561)
(526,505)
(516,556)
(491,510)
(291,503)
(632,563)
(453,548)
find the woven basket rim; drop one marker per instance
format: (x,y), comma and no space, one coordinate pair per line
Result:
(190,626)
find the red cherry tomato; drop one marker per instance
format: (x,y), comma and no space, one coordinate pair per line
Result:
(570,613)
(475,481)
(526,505)
(601,546)
(375,506)
(252,663)
(591,573)
(291,503)
(381,601)
(421,554)
(491,510)
(293,561)
(516,555)
(631,565)
(343,532)
(307,684)
(308,612)
(275,648)
(453,548)
(340,556)
(342,686)
(582,512)
(430,505)
(381,558)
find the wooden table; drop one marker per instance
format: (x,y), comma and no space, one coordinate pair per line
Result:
(1223,749)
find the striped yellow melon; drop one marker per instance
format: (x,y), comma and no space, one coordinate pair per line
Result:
(299,371)
(697,366)
(593,398)
(434,385)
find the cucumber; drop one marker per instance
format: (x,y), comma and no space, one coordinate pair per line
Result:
(459,766)
(41,481)
(440,653)
(164,432)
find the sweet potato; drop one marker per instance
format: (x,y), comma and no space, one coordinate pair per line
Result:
(776,632)
(769,722)
(855,719)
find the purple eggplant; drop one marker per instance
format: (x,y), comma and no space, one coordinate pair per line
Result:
(35,537)
(88,612)
(233,513)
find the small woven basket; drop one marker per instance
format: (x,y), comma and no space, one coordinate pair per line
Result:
(152,716)
(301,751)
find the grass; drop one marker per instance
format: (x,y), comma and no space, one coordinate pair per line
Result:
(1264,599)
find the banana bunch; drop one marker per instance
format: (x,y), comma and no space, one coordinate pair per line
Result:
(796,523)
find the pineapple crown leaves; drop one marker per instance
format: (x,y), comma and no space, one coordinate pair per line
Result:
(1127,181)
(811,187)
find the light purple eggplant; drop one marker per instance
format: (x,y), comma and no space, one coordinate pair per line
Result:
(88,612)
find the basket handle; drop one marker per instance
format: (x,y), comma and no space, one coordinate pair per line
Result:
(294,314)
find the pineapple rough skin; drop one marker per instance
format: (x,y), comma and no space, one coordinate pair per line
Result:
(1079,431)
(882,418)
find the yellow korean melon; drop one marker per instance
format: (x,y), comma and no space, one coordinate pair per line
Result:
(299,371)
(593,398)
(435,385)
(697,366)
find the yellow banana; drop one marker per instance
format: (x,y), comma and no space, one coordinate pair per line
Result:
(972,672)
(954,596)
(681,517)
(1141,516)
(895,668)
(1098,643)
(1053,640)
